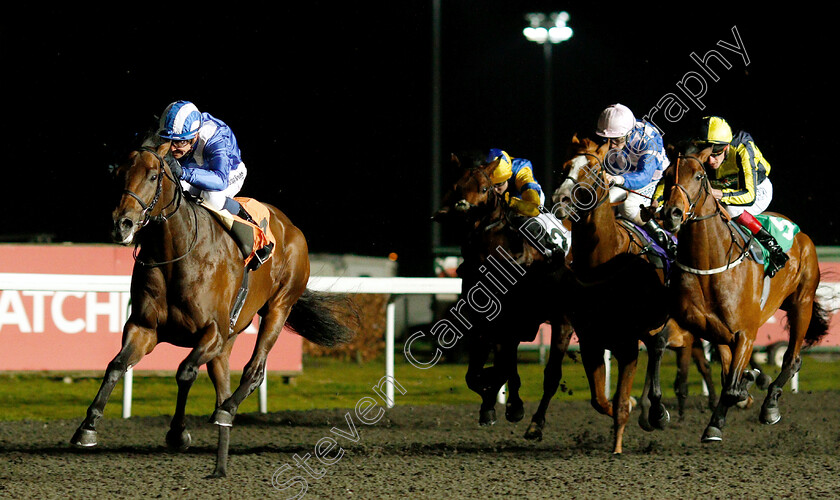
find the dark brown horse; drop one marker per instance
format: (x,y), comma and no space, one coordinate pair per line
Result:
(490,239)
(187,273)
(720,292)
(636,311)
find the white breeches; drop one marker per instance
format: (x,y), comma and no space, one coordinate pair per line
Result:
(216,199)
(763,197)
(632,200)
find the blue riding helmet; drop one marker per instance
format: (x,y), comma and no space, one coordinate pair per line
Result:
(180,121)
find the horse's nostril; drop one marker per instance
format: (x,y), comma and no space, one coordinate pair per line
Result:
(126,224)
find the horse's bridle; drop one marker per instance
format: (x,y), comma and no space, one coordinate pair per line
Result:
(147,209)
(161,217)
(689,216)
(600,170)
(702,194)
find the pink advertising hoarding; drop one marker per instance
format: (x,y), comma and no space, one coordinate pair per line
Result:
(67,330)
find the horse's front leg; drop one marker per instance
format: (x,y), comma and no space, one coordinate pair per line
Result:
(506,362)
(137,342)
(561,334)
(209,346)
(477,378)
(713,431)
(622,402)
(593,365)
(654,415)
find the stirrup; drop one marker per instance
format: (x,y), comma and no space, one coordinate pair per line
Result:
(260,257)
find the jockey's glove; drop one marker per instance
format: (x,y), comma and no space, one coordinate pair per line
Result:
(177,170)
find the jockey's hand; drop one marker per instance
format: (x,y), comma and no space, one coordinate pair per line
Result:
(177,170)
(717,193)
(615,180)
(647,213)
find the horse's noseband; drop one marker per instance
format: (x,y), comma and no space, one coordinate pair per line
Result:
(147,209)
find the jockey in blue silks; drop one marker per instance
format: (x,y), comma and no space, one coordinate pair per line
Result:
(206,158)
(634,165)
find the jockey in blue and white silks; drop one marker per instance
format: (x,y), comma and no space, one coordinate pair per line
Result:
(634,164)
(206,158)
(205,147)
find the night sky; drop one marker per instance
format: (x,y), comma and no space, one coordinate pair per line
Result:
(331,104)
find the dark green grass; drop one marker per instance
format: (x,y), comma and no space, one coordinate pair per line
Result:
(327,383)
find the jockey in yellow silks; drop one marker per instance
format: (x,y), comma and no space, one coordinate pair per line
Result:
(738,174)
(513,178)
(524,194)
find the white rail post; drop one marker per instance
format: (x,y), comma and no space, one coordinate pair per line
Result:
(607,369)
(390,319)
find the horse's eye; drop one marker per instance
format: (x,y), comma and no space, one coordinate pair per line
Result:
(699,176)
(484,189)
(153,177)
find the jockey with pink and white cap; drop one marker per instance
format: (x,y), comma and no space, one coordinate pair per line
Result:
(634,165)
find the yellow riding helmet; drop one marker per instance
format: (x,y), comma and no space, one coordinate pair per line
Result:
(715,130)
(504,170)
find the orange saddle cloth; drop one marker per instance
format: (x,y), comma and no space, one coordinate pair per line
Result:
(262,231)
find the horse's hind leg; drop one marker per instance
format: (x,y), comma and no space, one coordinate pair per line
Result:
(209,346)
(553,372)
(799,318)
(681,380)
(137,342)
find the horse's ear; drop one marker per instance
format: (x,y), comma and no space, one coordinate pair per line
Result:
(575,139)
(455,160)
(163,148)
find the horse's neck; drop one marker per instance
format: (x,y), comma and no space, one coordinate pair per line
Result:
(596,237)
(707,243)
(176,236)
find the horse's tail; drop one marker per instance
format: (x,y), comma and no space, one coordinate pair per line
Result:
(326,319)
(818,327)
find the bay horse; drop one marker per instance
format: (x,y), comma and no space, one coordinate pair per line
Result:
(636,311)
(720,293)
(186,275)
(482,218)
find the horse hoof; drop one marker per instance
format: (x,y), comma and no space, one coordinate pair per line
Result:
(487,418)
(222,418)
(179,441)
(661,419)
(515,413)
(770,416)
(644,423)
(84,438)
(534,432)
(712,435)
(217,474)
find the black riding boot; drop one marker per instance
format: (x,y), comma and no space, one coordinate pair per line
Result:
(662,237)
(777,257)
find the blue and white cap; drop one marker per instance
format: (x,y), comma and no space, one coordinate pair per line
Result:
(180,120)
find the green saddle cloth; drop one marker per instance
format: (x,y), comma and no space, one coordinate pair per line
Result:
(781,229)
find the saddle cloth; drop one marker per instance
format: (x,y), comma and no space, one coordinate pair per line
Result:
(658,256)
(262,235)
(780,228)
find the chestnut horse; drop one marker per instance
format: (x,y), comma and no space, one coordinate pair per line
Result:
(186,275)
(481,217)
(638,310)
(719,291)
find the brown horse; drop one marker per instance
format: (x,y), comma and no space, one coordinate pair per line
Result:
(187,273)
(482,217)
(720,292)
(598,239)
